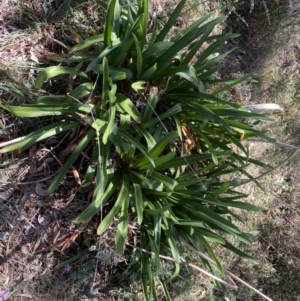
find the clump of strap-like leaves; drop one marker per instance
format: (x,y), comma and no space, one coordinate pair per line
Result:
(159,142)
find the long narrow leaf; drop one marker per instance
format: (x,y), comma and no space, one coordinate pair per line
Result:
(137,145)
(173,111)
(122,228)
(111,127)
(77,152)
(176,162)
(171,21)
(50,72)
(37,110)
(109,22)
(98,203)
(139,203)
(139,60)
(128,106)
(115,44)
(122,197)
(88,42)
(41,134)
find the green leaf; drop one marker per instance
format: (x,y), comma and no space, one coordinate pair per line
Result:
(105,84)
(241,205)
(147,277)
(115,44)
(159,210)
(197,24)
(163,159)
(191,180)
(157,230)
(144,133)
(144,25)
(167,181)
(151,104)
(213,255)
(188,96)
(128,106)
(154,31)
(91,170)
(117,19)
(46,100)
(211,61)
(50,72)
(171,21)
(211,235)
(156,150)
(209,145)
(101,176)
(209,114)
(41,134)
(139,62)
(211,218)
(176,162)
(111,126)
(211,49)
(122,197)
(234,83)
(165,289)
(207,30)
(150,53)
(173,247)
(161,144)
(224,187)
(136,86)
(109,22)
(39,110)
(139,203)
(138,145)
(167,56)
(77,152)
(187,72)
(149,72)
(239,113)
(174,110)
(72,259)
(102,4)
(88,42)
(122,228)
(98,202)
(79,92)
(246,129)
(115,73)
(230,247)
(77,57)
